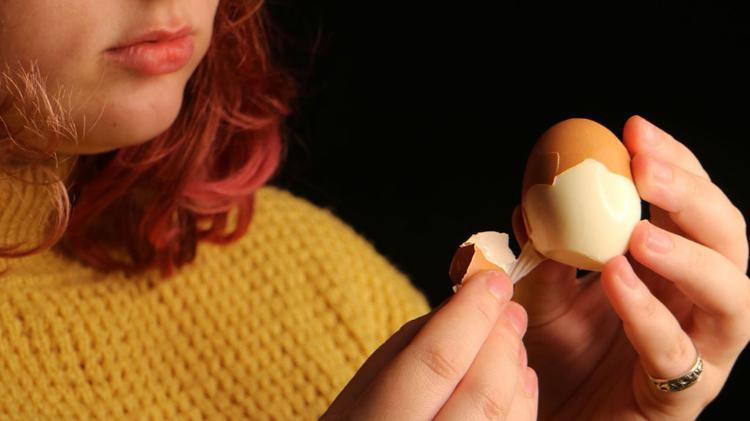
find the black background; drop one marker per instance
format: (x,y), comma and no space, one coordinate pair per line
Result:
(416,118)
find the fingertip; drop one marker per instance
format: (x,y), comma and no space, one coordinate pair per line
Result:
(518,316)
(638,165)
(638,238)
(518,309)
(619,281)
(632,122)
(622,287)
(613,264)
(657,190)
(639,134)
(496,281)
(642,178)
(610,268)
(630,133)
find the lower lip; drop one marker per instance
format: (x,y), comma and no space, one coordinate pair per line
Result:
(155,58)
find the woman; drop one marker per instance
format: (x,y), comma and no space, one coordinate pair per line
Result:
(152,295)
(177,285)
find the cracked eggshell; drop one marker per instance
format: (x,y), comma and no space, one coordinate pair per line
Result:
(487,250)
(578,201)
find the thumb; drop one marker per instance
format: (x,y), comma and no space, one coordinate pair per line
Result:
(546,291)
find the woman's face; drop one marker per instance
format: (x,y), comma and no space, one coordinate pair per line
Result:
(69,41)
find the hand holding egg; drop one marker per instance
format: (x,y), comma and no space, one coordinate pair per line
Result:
(682,289)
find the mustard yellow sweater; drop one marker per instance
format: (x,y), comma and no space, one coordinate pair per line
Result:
(269,327)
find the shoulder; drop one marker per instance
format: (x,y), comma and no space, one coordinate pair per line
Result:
(291,235)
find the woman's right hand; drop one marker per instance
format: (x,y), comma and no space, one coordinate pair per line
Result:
(464,360)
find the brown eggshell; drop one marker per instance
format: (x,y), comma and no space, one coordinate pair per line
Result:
(569,143)
(486,250)
(467,261)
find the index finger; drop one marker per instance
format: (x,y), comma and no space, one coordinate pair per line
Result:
(641,136)
(423,376)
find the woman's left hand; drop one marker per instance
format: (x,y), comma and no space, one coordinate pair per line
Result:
(683,288)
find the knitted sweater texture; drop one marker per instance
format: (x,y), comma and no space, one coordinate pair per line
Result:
(269,327)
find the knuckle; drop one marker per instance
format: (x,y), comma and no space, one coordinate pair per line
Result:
(742,240)
(740,218)
(511,342)
(743,319)
(680,350)
(491,404)
(650,307)
(739,222)
(735,309)
(734,317)
(737,330)
(442,363)
(711,395)
(695,259)
(487,309)
(506,335)
(689,188)
(692,185)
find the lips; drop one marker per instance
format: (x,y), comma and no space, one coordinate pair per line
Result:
(157,35)
(155,52)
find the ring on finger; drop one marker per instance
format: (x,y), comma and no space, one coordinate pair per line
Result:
(683,381)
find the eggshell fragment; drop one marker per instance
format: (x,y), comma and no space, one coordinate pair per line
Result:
(567,144)
(487,250)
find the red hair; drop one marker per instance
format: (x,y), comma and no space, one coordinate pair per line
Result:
(149,205)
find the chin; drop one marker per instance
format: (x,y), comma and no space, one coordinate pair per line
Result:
(122,124)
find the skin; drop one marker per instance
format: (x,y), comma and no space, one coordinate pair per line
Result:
(464,360)
(68,40)
(593,340)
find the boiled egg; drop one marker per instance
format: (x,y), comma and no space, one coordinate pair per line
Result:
(578,200)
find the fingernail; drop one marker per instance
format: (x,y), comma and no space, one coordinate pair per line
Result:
(661,172)
(652,135)
(516,320)
(499,285)
(529,384)
(627,277)
(658,241)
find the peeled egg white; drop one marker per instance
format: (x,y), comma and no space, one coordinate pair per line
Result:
(579,202)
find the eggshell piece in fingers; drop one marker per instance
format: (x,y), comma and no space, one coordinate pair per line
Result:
(487,250)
